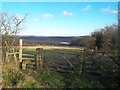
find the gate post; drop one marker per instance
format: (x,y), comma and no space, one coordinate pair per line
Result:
(39,57)
(20,53)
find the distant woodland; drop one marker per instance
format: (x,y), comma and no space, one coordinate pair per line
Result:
(104,38)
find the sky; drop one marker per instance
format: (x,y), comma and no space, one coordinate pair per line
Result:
(63,18)
(60,0)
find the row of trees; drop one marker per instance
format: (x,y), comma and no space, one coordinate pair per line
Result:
(106,40)
(102,39)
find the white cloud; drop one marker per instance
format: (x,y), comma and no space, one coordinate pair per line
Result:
(109,10)
(115,11)
(67,13)
(88,7)
(47,15)
(35,19)
(106,9)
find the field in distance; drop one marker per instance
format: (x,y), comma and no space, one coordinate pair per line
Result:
(46,47)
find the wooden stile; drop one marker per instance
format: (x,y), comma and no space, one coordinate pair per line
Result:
(25,59)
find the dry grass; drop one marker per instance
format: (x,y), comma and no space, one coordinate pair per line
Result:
(54,47)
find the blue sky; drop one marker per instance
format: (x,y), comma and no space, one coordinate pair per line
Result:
(63,18)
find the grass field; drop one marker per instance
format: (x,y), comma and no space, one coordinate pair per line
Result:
(57,56)
(56,53)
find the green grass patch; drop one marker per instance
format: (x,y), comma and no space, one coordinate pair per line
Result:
(82,81)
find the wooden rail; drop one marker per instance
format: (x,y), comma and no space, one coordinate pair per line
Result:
(12,53)
(28,58)
(28,55)
(68,61)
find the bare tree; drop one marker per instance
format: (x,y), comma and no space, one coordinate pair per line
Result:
(9,28)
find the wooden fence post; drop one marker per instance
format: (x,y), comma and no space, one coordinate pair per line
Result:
(1,77)
(7,57)
(20,53)
(82,63)
(39,57)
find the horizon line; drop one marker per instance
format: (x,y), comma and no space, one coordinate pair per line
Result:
(52,36)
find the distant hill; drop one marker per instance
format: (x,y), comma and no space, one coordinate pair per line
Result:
(51,40)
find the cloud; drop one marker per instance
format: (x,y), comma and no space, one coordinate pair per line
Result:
(88,7)
(47,15)
(35,19)
(115,11)
(106,9)
(109,10)
(67,13)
